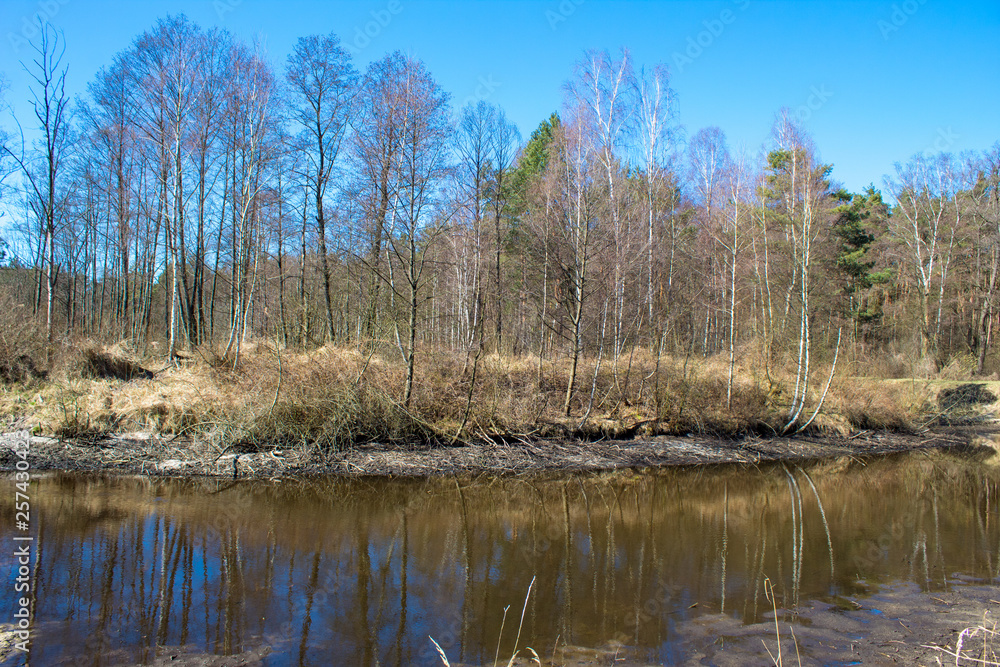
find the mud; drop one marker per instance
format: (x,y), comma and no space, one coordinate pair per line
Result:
(152,454)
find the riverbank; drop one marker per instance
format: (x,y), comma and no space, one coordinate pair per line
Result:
(332,398)
(157,455)
(338,410)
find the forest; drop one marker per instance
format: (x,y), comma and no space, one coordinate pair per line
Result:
(316,228)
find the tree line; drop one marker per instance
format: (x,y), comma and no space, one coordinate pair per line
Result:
(197,196)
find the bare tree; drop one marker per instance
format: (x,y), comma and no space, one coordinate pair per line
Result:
(604,94)
(724,185)
(504,142)
(800,190)
(919,223)
(166,71)
(986,209)
(403,150)
(571,242)
(739,181)
(472,179)
(110,123)
(217,63)
(709,166)
(50,106)
(252,139)
(487,144)
(657,111)
(323,84)
(377,142)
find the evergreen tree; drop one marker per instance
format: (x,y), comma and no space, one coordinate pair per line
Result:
(862,220)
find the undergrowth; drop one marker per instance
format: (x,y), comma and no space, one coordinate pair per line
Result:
(332,397)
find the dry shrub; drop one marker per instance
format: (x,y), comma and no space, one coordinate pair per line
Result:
(888,366)
(512,399)
(22,342)
(507,397)
(876,405)
(21,368)
(958,367)
(965,395)
(98,364)
(329,399)
(693,398)
(212,356)
(897,360)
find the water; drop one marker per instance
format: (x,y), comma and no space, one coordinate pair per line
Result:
(361,572)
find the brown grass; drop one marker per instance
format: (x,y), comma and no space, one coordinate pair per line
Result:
(335,397)
(871,404)
(22,343)
(975,645)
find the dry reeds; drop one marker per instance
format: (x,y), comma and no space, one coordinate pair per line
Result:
(331,398)
(98,364)
(974,646)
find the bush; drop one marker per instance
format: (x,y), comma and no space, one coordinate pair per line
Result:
(22,341)
(98,365)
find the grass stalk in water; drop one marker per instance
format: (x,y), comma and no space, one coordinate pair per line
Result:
(520,626)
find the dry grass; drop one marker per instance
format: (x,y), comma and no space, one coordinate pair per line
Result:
(974,646)
(96,364)
(335,397)
(22,343)
(871,404)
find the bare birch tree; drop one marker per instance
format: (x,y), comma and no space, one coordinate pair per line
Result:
(657,111)
(920,225)
(801,192)
(603,92)
(252,139)
(323,84)
(416,163)
(50,106)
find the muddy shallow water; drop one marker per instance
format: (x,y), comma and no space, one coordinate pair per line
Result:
(664,566)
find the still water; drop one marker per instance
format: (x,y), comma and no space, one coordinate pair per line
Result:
(362,572)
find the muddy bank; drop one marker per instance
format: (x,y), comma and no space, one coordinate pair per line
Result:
(151,454)
(897,624)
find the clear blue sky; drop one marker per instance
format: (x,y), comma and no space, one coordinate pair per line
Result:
(884,80)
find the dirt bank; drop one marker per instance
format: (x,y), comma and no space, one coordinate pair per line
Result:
(151,454)
(896,624)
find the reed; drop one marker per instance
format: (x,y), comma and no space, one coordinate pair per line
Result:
(332,398)
(534,656)
(975,646)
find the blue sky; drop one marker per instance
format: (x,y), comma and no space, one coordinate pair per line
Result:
(873,82)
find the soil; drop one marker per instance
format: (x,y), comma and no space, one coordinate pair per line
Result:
(896,625)
(153,454)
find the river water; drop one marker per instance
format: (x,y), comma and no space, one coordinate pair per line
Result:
(364,571)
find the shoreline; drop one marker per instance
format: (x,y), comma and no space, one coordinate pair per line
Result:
(155,455)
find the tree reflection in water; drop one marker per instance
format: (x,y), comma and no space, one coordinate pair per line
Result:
(362,571)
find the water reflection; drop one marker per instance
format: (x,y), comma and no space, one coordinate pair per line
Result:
(360,572)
